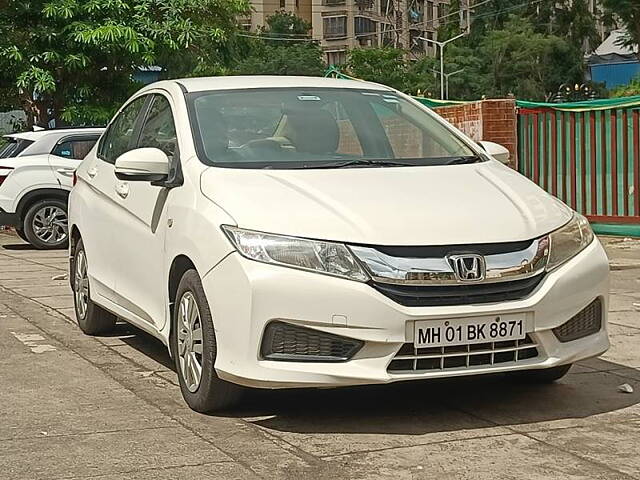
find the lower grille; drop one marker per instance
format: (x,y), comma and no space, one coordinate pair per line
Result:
(288,342)
(410,359)
(587,322)
(425,296)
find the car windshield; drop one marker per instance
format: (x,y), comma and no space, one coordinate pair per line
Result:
(319,128)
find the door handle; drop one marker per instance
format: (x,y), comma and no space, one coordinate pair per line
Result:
(67,172)
(92,172)
(122,189)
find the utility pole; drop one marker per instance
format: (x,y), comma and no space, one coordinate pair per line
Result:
(441,45)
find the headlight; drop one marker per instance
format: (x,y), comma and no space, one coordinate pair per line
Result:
(568,241)
(312,255)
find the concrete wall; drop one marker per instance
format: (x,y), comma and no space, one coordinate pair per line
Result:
(491,120)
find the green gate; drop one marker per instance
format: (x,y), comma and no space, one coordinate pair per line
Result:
(587,154)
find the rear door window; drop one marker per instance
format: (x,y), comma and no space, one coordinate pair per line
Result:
(74,148)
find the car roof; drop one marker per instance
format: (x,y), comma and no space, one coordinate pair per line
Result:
(60,132)
(268,81)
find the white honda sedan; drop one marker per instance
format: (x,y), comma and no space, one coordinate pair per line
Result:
(282,232)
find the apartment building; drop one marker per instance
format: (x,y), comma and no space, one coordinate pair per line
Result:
(341,25)
(262,9)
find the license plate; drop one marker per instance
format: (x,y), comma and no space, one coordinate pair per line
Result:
(463,331)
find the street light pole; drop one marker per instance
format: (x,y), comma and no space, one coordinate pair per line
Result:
(441,45)
(446,76)
(451,75)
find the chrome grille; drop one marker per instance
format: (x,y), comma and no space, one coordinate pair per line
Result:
(410,359)
(586,322)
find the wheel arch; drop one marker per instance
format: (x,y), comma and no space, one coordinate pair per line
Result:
(74,238)
(29,198)
(179,265)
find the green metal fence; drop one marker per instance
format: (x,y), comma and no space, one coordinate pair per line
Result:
(590,159)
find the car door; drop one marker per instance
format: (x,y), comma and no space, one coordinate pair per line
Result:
(140,283)
(97,203)
(67,155)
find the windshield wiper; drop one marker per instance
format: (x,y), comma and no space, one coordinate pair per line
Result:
(463,160)
(361,163)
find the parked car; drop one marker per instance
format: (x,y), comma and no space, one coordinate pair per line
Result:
(282,232)
(36,174)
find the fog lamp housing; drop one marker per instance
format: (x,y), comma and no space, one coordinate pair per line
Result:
(287,342)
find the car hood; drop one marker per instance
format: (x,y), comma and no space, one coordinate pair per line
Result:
(435,205)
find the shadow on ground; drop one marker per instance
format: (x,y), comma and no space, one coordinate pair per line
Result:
(421,407)
(19,247)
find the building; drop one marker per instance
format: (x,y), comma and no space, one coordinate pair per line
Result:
(613,64)
(341,25)
(263,9)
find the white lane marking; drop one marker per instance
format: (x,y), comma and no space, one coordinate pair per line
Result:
(32,340)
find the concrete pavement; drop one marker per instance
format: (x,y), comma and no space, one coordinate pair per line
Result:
(76,407)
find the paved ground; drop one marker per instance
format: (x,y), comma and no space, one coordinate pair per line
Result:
(78,407)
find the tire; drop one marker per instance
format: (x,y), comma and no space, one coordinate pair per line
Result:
(543,375)
(92,319)
(191,321)
(45,224)
(21,234)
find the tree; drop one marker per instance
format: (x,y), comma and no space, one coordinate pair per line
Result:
(299,59)
(72,61)
(574,21)
(285,24)
(282,47)
(528,64)
(382,65)
(628,13)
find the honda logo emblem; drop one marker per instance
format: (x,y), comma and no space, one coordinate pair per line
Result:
(468,267)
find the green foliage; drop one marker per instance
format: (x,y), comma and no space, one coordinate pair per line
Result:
(627,12)
(298,59)
(512,59)
(287,25)
(73,60)
(382,65)
(528,64)
(292,54)
(632,89)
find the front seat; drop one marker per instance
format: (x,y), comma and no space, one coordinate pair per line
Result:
(313,131)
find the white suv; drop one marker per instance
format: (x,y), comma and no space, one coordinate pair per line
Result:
(290,232)
(36,175)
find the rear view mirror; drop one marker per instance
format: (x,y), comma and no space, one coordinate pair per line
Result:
(143,165)
(496,150)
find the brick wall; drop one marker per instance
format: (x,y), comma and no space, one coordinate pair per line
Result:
(491,120)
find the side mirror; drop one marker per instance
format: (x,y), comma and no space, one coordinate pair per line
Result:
(143,165)
(496,150)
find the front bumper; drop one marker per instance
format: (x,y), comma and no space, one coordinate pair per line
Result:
(245,296)
(8,219)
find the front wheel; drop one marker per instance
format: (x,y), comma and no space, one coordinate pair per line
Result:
(194,348)
(45,224)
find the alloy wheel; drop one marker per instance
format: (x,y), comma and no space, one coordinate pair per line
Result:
(50,225)
(81,285)
(189,334)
